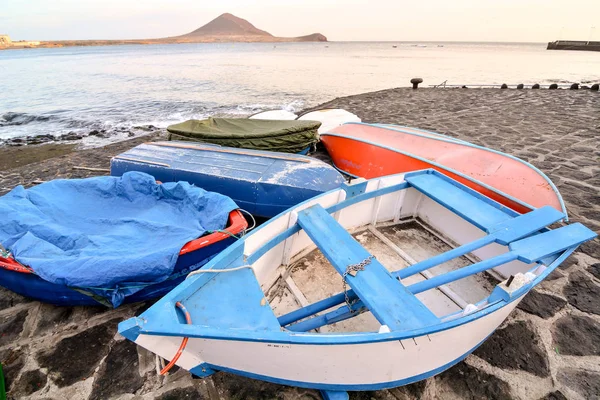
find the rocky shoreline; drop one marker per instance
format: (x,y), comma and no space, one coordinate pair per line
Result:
(547,349)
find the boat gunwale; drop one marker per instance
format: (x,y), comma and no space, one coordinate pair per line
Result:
(461,174)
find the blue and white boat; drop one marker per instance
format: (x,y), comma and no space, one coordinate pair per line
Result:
(374,285)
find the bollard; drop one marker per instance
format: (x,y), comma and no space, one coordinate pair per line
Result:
(595,87)
(554,86)
(574,86)
(504,86)
(536,86)
(415,82)
(520,86)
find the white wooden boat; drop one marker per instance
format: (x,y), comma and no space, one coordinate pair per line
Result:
(419,253)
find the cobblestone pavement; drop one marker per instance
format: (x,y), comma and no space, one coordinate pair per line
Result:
(549,348)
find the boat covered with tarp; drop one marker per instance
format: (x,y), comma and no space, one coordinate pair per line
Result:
(258,134)
(108,240)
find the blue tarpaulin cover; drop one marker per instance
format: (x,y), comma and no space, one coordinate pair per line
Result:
(107,232)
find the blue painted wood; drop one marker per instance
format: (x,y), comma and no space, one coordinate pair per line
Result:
(454,197)
(263,183)
(334,395)
(246,306)
(389,301)
(526,224)
(340,314)
(502,233)
(311,309)
(528,250)
(545,244)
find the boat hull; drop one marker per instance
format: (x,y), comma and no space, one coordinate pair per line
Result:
(370,151)
(334,367)
(261,182)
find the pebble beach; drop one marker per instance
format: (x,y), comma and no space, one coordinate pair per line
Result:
(547,349)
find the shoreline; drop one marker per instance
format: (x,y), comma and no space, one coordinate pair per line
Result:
(547,348)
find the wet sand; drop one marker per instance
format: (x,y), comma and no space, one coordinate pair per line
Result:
(547,349)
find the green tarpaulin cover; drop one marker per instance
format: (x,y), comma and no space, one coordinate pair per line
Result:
(271,135)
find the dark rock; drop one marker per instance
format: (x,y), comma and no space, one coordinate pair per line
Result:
(576,336)
(94,133)
(574,86)
(181,394)
(70,136)
(591,248)
(594,269)
(541,304)
(536,86)
(50,316)
(516,347)
(504,86)
(554,275)
(520,86)
(586,383)
(75,358)
(9,299)
(119,373)
(595,87)
(237,387)
(556,395)
(12,362)
(413,391)
(583,293)
(29,382)
(11,327)
(553,86)
(569,262)
(470,383)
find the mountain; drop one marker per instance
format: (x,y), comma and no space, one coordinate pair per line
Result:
(229,28)
(225,28)
(228,25)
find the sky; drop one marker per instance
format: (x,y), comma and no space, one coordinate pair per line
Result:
(339,20)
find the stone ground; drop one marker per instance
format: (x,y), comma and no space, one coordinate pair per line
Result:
(548,349)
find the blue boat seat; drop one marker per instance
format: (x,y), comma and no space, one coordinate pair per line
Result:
(468,204)
(246,306)
(388,299)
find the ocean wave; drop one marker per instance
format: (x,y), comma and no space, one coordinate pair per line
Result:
(16,118)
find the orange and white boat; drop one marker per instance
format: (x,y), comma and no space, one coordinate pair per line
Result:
(374,150)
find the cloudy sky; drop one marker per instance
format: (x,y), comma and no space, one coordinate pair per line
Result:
(448,20)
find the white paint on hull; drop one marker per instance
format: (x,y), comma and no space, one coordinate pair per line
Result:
(354,364)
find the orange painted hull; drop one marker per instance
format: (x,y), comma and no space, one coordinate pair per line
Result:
(371,151)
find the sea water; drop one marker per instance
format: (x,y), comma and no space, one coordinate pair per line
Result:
(112,89)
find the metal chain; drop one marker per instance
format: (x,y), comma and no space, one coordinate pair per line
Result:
(352,269)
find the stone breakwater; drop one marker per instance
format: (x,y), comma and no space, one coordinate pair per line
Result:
(547,349)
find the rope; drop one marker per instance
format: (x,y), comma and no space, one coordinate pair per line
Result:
(188,320)
(202,271)
(252,218)
(351,270)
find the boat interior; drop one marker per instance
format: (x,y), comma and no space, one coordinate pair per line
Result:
(448,247)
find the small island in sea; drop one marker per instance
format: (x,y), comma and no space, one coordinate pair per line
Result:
(226,28)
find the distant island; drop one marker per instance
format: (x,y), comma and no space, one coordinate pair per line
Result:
(225,28)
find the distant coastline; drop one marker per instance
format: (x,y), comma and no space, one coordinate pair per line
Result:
(226,28)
